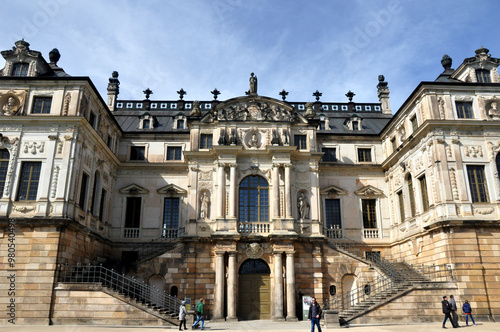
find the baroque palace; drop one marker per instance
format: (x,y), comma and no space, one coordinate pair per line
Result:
(113,210)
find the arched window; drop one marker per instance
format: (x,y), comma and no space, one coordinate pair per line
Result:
(4,164)
(254,199)
(254,266)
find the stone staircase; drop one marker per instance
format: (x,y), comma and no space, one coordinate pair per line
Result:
(122,296)
(397,279)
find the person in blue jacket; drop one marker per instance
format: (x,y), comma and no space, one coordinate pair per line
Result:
(468,312)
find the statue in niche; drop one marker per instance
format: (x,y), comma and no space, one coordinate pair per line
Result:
(303,206)
(493,111)
(10,106)
(254,141)
(286,138)
(204,202)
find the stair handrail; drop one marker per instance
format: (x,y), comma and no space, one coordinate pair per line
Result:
(128,286)
(362,294)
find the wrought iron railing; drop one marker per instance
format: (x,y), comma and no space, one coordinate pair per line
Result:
(127,286)
(382,286)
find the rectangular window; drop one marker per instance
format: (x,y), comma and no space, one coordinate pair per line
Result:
(364,155)
(330,154)
(171,213)
(83,191)
(93,197)
(133,215)
(477,183)
(20,69)
(102,205)
(369,213)
(137,153)
(393,144)
(464,110)
(146,124)
(180,124)
(206,141)
(423,190)
(30,176)
(332,213)
(92,119)
(414,124)
(4,164)
(483,76)
(41,105)
(401,206)
(355,125)
(300,142)
(322,125)
(174,153)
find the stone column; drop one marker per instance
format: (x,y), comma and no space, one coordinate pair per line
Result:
(231,287)
(219,286)
(288,192)
(290,287)
(232,191)
(278,287)
(276,191)
(221,182)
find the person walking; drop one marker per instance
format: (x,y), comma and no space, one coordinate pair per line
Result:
(199,315)
(182,315)
(314,314)
(454,313)
(466,308)
(446,311)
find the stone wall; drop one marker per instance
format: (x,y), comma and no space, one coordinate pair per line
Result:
(31,277)
(473,254)
(92,305)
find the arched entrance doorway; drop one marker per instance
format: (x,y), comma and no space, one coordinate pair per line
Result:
(349,285)
(254,290)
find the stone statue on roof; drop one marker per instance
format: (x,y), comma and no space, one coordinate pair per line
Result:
(253,84)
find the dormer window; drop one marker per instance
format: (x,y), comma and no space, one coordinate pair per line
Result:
(354,123)
(147,121)
(180,122)
(483,76)
(20,69)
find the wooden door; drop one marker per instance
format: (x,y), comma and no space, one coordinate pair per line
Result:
(254,296)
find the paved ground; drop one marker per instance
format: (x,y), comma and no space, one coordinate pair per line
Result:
(251,326)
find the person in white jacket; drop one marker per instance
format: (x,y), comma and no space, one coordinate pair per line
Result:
(182,315)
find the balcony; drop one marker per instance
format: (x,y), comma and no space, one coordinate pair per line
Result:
(254,227)
(131,233)
(333,232)
(170,233)
(370,233)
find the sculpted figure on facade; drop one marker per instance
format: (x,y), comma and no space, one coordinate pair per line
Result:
(10,106)
(204,203)
(253,84)
(303,206)
(494,112)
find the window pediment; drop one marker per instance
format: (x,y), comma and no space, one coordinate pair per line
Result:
(369,191)
(134,189)
(172,189)
(333,191)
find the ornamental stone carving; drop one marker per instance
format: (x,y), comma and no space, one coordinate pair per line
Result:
(484,211)
(254,111)
(34,147)
(55,178)
(12,102)
(442,113)
(254,250)
(67,101)
(454,186)
(473,151)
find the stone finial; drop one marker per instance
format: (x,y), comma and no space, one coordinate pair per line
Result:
(22,45)
(216,93)
(54,56)
(446,61)
(283,94)
(317,94)
(351,94)
(147,92)
(482,51)
(113,90)
(383,95)
(181,93)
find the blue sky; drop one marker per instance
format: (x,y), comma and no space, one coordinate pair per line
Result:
(300,46)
